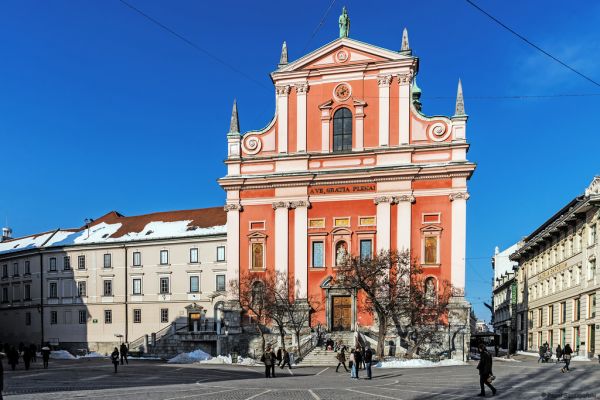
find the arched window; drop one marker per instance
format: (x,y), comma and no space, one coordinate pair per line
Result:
(258,290)
(342,130)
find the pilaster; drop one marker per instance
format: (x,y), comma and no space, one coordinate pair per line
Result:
(281,236)
(384,109)
(233,242)
(458,240)
(404,221)
(404,81)
(301,247)
(301,90)
(383,221)
(282,118)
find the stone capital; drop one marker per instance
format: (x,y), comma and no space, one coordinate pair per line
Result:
(301,88)
(300,203)
(405,78)
(280,204)
(384,80)
(404,198)
(233,207)
(459,196)
(383,199)
(283,90)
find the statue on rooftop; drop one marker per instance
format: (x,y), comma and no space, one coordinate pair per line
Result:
(344,23)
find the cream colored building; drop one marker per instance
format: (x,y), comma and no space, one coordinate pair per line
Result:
(115,280)
(558,280)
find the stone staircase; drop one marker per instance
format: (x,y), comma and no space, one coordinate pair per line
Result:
(319,356)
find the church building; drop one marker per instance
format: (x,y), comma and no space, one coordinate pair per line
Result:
(349,164)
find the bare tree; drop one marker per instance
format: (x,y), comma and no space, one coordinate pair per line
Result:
(396,292)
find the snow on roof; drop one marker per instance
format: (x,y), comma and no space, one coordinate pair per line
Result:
(114,227)
(502,263)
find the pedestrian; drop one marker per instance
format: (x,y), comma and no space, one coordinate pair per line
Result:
(268,361)
(341,357)
(2,355)
(46,355)
(368,361)
(279,359)
(26,357)
(359,358)
(13,357)
(496,349)
(559,352)
(273,358)
(354,362)
(33,351)
(114,358)
(567,357)
(123,350)
(485,370)
(286,359)
(541,352)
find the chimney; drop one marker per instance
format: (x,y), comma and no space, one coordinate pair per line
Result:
(6,234)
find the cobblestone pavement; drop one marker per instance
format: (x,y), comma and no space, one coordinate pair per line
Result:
(151,380)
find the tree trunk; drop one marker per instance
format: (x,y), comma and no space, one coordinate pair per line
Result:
(381,336)
(282,335)
(297,334)
(262,336)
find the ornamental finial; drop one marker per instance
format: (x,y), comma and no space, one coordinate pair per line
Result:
(234,125)
(344,22)
(416,94)
(405,46)
(460,102)
(283,60)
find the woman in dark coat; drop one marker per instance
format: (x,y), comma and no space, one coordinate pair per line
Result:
(559,352)
(26,357)
(279,357)
(2,355)
(46,355)
(114,357)
(341,357)
(13,357)
(567,357)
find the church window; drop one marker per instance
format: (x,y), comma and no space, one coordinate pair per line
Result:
(258,255)
(342,130)
(431,249)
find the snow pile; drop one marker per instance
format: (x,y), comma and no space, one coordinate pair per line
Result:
(93,354)
(190,358)
(531,354)
(579,358)
(61,355)
(527,353)
(506,359)
(418,363)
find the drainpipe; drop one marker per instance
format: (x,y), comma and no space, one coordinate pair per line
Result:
(126,297)
(42,296)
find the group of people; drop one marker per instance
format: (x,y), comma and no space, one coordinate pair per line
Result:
(119,353)
(270,359)
(545,353)
(358,358)
(27,354)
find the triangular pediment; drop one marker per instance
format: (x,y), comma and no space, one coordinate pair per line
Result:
(342,52)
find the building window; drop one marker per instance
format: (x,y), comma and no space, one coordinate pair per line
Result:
(53,317)
(540,317)
(137,286)
(108,316)
(193,255)
(15,269)
(342,130)
(318,255)
(431,249)
(53,290)
(107,261)
(220,253)
(563,312)
(17,293)
(27,292)
(164,285)
(220,283)
(27,318)
(164,257)
(66,263)
(591,269)
(164,315)
(82,316)
(366,249)
(108,288)
(591,305)
(137,316)
(137,259)
(27,268)
(592,234)
(5,271)
(194,284)
(81,262)
(550,315)
(52,264)
(258,255)
(5,295)
(576,309)
(81,289)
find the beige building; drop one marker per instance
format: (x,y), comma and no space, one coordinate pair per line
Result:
(558,281)
(115,280)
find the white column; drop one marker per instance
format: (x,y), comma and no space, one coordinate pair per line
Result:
(359,118)
(384,110)
(404,106)
(404,221)
(301,89)
(233,243)
(325,130)
(281,236)
(383,222)
(282,118)
(458,241)
(301,247)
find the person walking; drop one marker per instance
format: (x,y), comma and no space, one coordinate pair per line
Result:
(123,350)
(341,357)
(26,357)
(368,361)
(559,352)
(541,353)
(46,355)
(567,357)
(2,355)
(268,361)
(33,351)
(273,358)
(279,358)
(13,357)
(485,370)
(354,355)
(286,359)
(114,358)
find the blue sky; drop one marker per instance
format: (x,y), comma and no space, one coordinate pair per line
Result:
(101,110)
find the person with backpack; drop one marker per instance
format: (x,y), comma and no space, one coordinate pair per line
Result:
(341,357)
(567,357)
(114,358)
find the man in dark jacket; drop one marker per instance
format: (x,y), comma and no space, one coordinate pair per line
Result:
(279,357)
(286,360)
(1,374)
(114,358)
(26,357)
(46,355)
(13,357)
(368,361)
(268,361)
(123,350)
(485,370)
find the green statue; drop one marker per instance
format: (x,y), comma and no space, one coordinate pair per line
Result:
(344,23)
